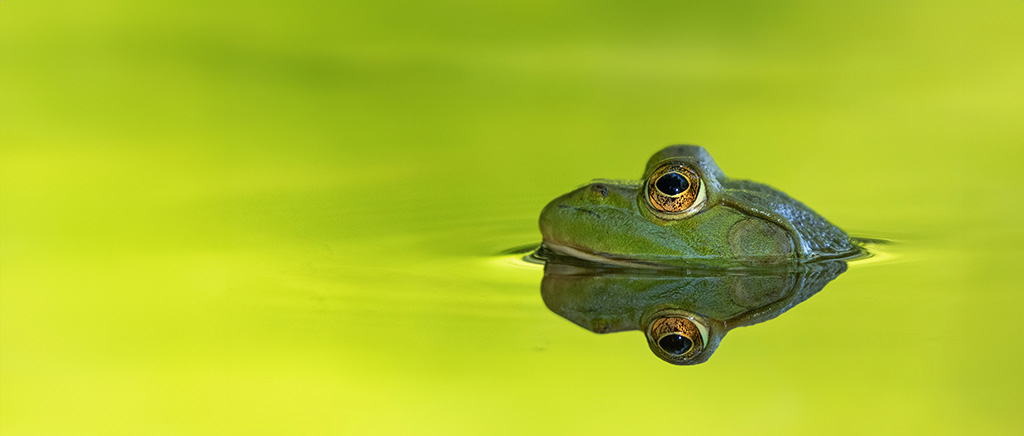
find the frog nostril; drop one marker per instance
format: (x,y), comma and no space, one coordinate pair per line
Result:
(600,189)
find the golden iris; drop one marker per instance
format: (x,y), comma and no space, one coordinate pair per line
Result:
(676,191)
(680,338)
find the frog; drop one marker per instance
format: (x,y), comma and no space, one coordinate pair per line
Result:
(685,212)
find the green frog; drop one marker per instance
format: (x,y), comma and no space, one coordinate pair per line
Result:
(686,212)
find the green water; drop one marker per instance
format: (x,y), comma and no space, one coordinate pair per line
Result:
(287,218)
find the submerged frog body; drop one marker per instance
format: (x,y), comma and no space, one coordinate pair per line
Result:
(686,212)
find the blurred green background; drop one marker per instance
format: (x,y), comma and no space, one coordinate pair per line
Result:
(286,217)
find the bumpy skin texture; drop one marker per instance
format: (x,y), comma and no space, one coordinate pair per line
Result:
(817,237)
(741,224)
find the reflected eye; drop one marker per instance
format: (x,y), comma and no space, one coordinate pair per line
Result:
(679,338)
(675,191)
(675,343)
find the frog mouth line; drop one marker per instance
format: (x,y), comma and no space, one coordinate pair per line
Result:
(628,262)
(577,253)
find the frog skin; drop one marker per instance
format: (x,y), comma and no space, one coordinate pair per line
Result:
(686,212)
(683,316)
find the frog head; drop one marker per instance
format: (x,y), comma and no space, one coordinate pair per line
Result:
(685,211)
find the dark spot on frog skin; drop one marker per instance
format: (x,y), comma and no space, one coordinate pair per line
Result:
(579,209)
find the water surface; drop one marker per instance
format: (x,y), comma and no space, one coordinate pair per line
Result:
(287,218)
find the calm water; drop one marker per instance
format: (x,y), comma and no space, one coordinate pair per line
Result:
(290,218)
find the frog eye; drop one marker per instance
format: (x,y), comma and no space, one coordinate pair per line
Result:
(675,191)
(678,338)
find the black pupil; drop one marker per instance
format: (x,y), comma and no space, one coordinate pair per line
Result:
(675,344)
(672,184)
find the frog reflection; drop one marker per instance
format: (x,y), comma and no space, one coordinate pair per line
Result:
(684,315)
